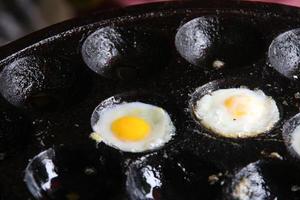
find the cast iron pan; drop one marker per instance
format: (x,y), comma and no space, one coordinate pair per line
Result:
(52,80)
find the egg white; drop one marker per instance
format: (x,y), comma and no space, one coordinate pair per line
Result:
(262,114)
(162,128)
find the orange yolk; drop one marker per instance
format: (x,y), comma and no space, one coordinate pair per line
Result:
(130,128)
(238,106)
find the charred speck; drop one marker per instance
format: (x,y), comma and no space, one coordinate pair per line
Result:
(284,54)
(36,82)
(124,53)
(206,40)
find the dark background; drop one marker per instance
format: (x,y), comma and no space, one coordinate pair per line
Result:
(20,17)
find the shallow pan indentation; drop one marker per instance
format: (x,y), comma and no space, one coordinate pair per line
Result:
(217,42)
(68,173)
(175,177)
(37,82)
(264,179)
(125,53)
(284,54)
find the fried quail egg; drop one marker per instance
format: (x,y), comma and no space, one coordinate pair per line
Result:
(133,127)
(237,112)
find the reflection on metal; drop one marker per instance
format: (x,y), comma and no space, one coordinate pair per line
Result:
(50,168)
(153,179)
(40,172)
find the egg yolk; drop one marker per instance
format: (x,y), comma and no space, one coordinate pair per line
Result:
(238,106)
(130,128)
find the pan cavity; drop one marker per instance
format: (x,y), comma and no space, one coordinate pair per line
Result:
(284,54)
(125,53)
(74,173)
(218,42)
(263,180)
(38,82)
(234,108)
(291,136)
(181,176)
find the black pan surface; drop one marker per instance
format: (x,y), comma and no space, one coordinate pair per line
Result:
(58,114)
